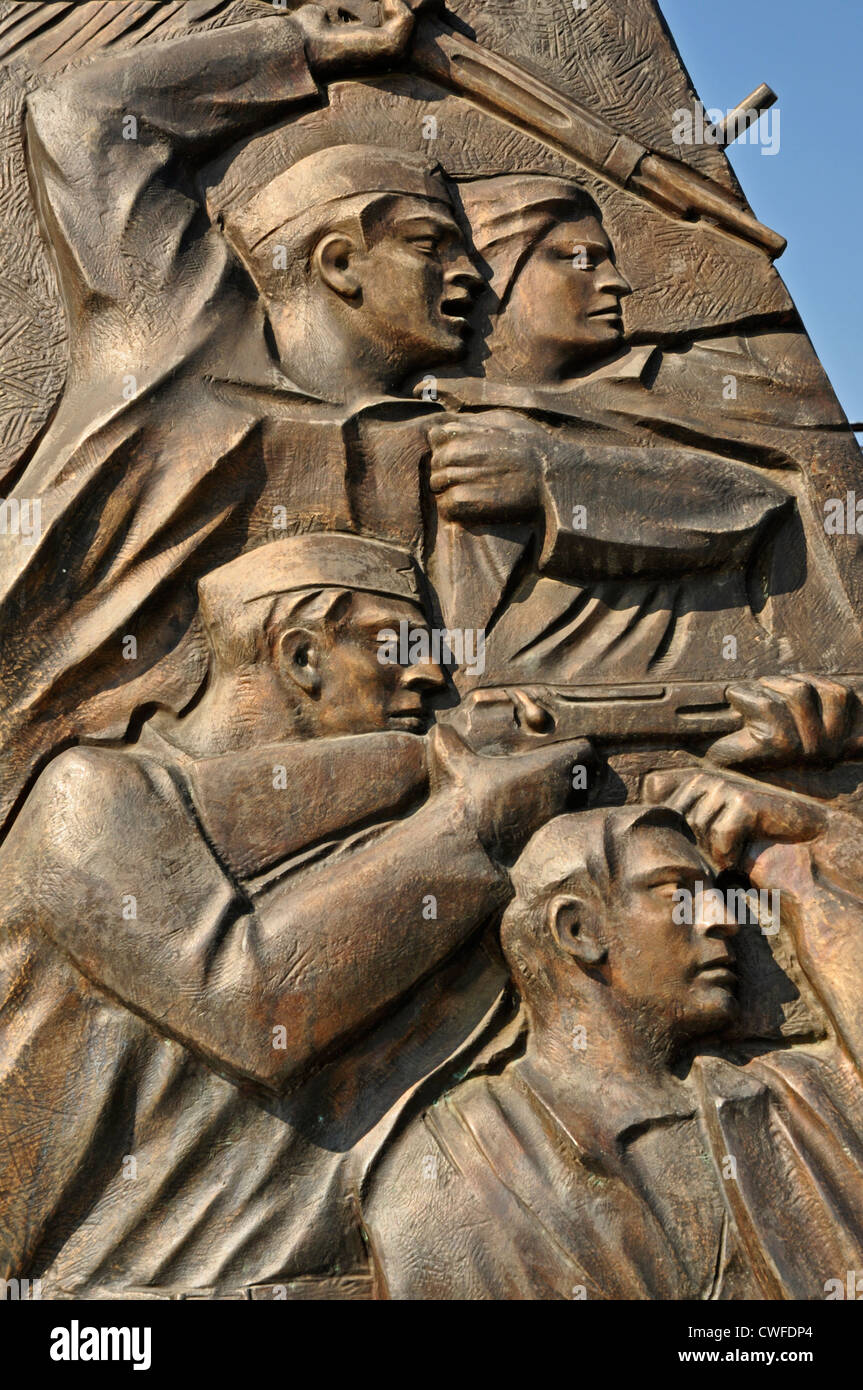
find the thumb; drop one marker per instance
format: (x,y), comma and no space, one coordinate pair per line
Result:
(562,756)
(661,786)
(448,752)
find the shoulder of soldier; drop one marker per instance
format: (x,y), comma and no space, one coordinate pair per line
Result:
(78,774)
(89,795)
(435,1140)
(427,1212)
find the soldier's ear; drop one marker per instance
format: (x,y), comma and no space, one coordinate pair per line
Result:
(299,658)
(333,261)
(574,925)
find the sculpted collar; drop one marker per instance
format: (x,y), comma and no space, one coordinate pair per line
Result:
(630,364)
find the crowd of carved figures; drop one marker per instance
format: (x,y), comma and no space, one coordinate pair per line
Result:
(331,972)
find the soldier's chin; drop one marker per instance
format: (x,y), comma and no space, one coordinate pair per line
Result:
(452,337)
(607,331)
(717,1008)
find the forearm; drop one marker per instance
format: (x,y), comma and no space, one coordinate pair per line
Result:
(614,510)
(261,989)
(201,90)
(820,887)
(261,806)
(103,137)
(364,931)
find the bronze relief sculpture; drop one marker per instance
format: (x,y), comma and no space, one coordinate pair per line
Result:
(429,692)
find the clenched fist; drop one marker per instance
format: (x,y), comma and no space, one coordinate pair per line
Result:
(335,45)
(506,798)
(790,719)
(487,467)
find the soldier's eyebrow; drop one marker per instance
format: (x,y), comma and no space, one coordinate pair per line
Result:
(599,247)
(667,873)
(438,221)
(379,625)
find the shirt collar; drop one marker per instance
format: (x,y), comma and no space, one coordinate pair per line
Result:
(630,364)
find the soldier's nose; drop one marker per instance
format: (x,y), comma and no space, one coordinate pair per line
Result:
(463,274)
(425,677)
(616,282)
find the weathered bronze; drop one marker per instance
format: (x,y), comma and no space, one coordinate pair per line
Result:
(430,671)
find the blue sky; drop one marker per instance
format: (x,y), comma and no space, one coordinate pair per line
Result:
(811,54)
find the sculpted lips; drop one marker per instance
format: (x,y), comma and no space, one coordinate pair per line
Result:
(722,971)
(608,311)
(457,307)
(410,717)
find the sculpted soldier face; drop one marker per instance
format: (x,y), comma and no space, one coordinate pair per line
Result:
(406,282)
(554,291)
(599,929)
(664,961)
(332,673)
(297,632)
(566,302)
(362,267)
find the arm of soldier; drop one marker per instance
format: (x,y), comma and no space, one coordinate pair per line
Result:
(616,509)
(115,868)
(608,509)
(108,147)
(262,805)
(368,927)
(811,854)
(112,146)
(824,892)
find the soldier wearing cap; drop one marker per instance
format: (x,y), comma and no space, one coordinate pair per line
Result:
(655,539)
(215,370)
(254,932)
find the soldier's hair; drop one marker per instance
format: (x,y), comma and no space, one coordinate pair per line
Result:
(281,263)
(242,634)
(581,854)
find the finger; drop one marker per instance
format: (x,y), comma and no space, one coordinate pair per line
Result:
(797,698)
(506,420)
(442,478)
(396,22)
(687,799)
(443,431)
(465,451)
(461,435)
(708,806)
(769,723)
(457,505)
(737,748)
(727,836)
(838,706)
(448,749)
(749,699)
(659,786)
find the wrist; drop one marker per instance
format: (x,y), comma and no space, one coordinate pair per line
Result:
(782,865)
